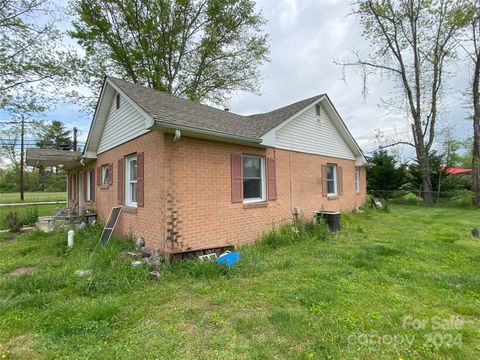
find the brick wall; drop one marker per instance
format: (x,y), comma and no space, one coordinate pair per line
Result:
(201,189)
(147,221)
(188,192)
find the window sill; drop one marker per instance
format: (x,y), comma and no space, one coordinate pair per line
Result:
(254,205)
(104,186)
(129,209)
(332,197)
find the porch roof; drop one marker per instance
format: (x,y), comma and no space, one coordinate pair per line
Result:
(65,159)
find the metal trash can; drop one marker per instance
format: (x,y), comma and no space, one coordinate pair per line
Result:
(331,218)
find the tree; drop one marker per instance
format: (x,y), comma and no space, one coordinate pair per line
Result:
(412,41)
(385,176)
(31,51)
(55,136)
(196,49)
(473,53)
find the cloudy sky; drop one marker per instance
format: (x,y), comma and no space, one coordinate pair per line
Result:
(305,38)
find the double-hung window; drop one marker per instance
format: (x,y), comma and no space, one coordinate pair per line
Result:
(331,180)
(254,185)
(131,181)
(357,181)
(105,175)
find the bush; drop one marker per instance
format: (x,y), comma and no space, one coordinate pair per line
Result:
(30,217)
(12,222)
(462,197)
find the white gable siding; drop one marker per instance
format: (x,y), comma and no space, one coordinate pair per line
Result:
(122,125)
(306,134)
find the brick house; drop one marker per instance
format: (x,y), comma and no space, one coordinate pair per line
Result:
(190,176)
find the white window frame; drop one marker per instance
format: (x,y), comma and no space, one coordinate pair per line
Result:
(89,185)
(263,179)
(357,180)
(334,180)
(128,192)
(106,168)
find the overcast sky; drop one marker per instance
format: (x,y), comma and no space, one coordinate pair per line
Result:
(305,37)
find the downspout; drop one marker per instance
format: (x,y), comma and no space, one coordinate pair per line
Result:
(178,135)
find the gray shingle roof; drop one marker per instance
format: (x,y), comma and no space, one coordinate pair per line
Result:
(168,109)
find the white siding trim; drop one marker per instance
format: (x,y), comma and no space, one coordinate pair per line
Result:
(309,134)
(122,125)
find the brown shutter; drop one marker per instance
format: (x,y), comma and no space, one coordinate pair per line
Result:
(339,180)
(272,179)
(70,187)
(324,180)
(120,190)
(92,185)
(237,178)
(110,173)
(99,176)
(84,185)
(140,180)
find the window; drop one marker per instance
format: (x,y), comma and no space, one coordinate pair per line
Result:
(317,109)
(117,99)
(254,186)
(90,184)
(331,180)
(357,181)
(105,175)
(131,181)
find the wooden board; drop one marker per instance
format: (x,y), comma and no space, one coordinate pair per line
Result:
(110,225)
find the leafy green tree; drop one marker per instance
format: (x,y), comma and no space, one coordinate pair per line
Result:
(31,51)
(385,176)
(412,42)
(55,136)
(196,49)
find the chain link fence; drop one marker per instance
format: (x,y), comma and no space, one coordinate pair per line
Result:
(456,198)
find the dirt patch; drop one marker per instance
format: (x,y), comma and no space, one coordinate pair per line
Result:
(26,270)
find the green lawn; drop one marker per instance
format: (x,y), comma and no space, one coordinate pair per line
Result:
(403,284)
(8,198)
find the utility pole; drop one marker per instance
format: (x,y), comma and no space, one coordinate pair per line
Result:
(75,130)
(22,145)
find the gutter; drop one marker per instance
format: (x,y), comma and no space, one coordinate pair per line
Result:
(214,133)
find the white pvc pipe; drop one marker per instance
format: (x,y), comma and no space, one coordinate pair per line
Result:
(70,238)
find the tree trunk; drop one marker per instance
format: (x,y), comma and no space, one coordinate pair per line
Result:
(476,131)
(423,163)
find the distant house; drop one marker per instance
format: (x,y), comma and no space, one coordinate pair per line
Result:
(191,177)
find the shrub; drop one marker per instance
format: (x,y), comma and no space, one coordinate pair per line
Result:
(30,217)
(12,222)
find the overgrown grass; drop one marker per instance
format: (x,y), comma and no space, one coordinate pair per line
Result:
(297,294)
(8,198)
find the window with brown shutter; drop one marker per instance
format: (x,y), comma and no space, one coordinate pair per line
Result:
(237,178)
(92,184)
(120,189)
(99,176)
(110,171)
(272,179)
(340,180)
(140,179)
(324,180)
(332,180)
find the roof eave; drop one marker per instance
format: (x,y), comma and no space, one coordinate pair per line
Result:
(205,133)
